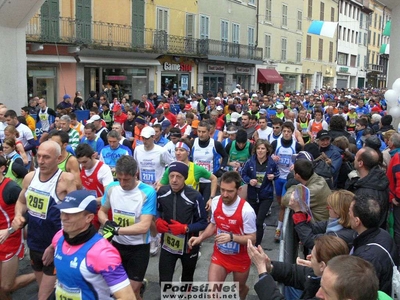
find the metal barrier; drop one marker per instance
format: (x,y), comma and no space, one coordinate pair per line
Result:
(289,243)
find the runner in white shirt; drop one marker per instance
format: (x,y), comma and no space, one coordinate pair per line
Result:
(264,131)
(151,158)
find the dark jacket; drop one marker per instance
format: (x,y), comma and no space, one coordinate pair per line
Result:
(189,208)
(299,277)
(308,232)
(336,133)
(335,154)
(249,171)
(377,256)
(374,185)
(267,289)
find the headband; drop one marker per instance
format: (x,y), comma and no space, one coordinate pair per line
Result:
(182,145)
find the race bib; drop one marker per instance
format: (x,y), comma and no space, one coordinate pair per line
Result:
(174,243)
(123,218)
(128,134)
(260,178)
(148,176)
(285,160)
(230,248)
(43,117)
(37,203)
(65,293)
(205,164)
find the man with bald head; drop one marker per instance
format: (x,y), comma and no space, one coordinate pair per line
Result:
(371,180)
(42,189)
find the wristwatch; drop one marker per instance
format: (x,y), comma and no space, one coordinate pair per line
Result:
(187,229)
(231,235)
(11,230)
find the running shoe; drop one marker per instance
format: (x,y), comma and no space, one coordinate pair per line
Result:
(155,245)
(143,287)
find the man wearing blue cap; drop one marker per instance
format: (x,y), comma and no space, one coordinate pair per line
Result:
(66,103)
(78,247)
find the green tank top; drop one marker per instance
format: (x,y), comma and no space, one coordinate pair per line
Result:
(240,156)
(63,165)
(304,127)
(107,117)
(10,174)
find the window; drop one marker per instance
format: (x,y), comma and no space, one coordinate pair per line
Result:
(322,11)
(348,35)
(309,13)
(284,48)
(365,39)
(356,40)
(308,47)
(330,51)
(373,57)
(252,2)
(284,15)
(224,36)
(352,36)
(365,61)
(378,42)
(250,35)
(332,14)
(361,20)
(267,53)
(268,12)
(298,52)
(340,33)
(299,20)
(341,6)
(373,39)
(342,59)
(380,22)
(345,8)
(376,17)
(344,34)
(236,33)
(320,49)
(360,38)
(162,19)
(204,27)
(353,59)
(358,60)
(189,25)
(224,31)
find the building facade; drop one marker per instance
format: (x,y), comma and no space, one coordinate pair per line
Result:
(281,35)
(352,44)
(377,67)
(319,58)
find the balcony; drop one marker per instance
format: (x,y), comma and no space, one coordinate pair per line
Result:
(101,35)
(375,68)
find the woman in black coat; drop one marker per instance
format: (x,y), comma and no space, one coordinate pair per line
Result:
(306,277)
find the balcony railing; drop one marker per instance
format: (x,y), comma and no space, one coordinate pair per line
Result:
(102,34)
(375,68)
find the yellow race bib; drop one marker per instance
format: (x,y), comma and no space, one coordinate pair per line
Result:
(37,203)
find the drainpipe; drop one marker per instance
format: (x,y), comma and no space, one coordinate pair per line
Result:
(257,20)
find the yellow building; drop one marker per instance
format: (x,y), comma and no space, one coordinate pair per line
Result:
(378,53)
(319,52)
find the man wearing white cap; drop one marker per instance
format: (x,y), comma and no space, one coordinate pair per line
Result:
(101,131)
(152,160)
(77,248)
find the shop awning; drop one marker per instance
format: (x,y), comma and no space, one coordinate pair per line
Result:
(385,49)
(386,31)
(269,76)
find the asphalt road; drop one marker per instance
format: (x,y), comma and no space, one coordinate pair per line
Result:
(201,273)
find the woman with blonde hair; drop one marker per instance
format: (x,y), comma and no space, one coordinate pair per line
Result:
(338,223)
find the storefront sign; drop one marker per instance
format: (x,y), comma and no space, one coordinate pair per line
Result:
(216,68)
(116,77)
(242,70)
(343,70)
(177,67)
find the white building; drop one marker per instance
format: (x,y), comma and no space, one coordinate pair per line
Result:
(352,44)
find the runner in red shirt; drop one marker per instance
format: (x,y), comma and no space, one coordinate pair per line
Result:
(119,116)
(234,221)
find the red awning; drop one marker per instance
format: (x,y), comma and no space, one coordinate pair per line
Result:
(269,76)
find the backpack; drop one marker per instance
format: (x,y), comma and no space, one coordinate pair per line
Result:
(322,169)
(396,273)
